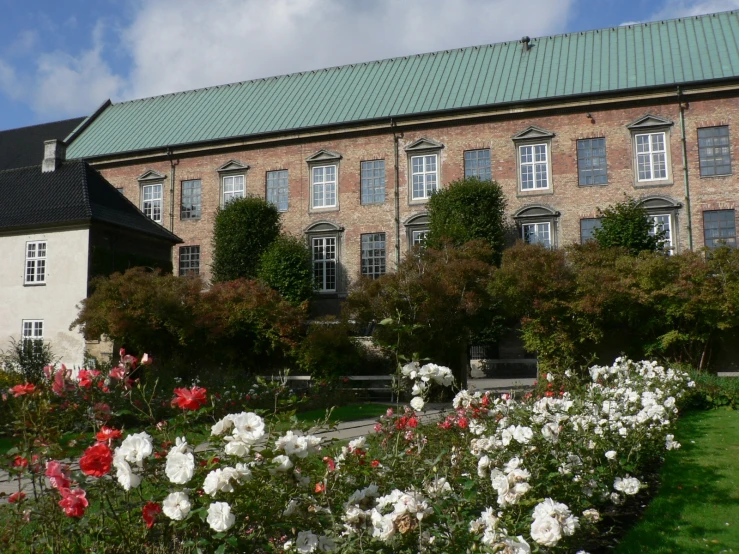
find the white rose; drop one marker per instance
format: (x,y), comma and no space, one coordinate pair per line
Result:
(125,475)
(417,403)
(611,454)
(220,517)
(627,485)
(180,467)
(176,506)
(136,447)
(306,542)
(546,531)
(283,464)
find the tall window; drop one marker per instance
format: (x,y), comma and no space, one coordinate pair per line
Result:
(418,238)
(477,164)
(324,186)
(373,255)
(151,204)
(537,233)
(373,182)
(191,199)
(714,151)
(277,189)
(425,175)
(324,263)
(662,223)
(719,227)
(189,260)
(233,187)
(651,157)
(33,329)
(35,262)
(591,162)
(587,226)
(533,166)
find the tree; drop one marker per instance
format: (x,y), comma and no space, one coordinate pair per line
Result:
(243,230)
(432,305)
(286,267)
(466,210)
(627,225)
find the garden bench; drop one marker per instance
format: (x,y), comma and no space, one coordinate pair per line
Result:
(375,383)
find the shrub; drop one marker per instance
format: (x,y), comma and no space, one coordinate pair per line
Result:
(27,358)
(328,350)
(627,225)
(466,210)
(244,229)
(286,267)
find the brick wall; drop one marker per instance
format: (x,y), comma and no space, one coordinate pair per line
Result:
(572,201)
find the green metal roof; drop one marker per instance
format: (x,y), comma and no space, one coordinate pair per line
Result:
(662,53)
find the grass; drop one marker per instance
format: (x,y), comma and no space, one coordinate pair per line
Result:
(697,506)
(352,412)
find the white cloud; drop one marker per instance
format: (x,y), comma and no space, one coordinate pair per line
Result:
(686,8)
(183,44)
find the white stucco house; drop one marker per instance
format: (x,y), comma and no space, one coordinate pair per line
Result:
(62,223)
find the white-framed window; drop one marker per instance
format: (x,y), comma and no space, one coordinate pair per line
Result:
(651,156)
(35,263)
(151,203)
(533,166)
(324,263)
(425,175)
(418,237)
(323,179)
(662,222)
(32,329)
(537,233)
(233,187)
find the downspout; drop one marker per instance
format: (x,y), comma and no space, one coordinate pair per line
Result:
(686,181)
(172,164)
(396,189)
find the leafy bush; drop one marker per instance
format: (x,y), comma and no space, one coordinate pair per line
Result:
(241,324)
(712,391)
(328,350)
(244,229)
(27,358)
(466,210)
(286,267)
(627,225)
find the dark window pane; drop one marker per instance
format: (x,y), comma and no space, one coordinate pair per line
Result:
(277,189)
(191,199)
(189,260)
(477,164)
(591,162)
(373,182)
(587,226)
(714,152)
(719,227)
(373,255)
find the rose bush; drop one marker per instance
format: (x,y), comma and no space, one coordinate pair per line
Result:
(497,474)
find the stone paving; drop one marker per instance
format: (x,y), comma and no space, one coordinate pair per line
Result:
(343,431)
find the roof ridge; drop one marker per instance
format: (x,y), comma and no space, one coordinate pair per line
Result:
(418,55)
(42,124)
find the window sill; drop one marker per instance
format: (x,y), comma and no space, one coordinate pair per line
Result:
(716,176)
(183,220)
(592,186)
(324,210)
(34,284)
(537,192)
(652,184)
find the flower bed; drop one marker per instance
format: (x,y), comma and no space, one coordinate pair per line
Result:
(496,475)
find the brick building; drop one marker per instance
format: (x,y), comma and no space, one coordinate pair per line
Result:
(565,124)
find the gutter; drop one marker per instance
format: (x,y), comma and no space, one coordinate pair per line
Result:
(396,191)
(172,163)
(686,181)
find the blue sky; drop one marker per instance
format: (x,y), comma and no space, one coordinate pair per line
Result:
(63,58)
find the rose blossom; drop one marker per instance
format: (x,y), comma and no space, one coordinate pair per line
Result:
(627,485)
(180,467)
(16,497)
(220,517)
(20,390)
(73,502)
(149,513)
(190,399)
(107,434)
(58,475)
(136,447)
(96,460)
(176,506)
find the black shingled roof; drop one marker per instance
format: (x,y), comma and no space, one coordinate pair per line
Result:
(24,147)
(75,193)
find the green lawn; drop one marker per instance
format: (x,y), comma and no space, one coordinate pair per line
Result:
(697,506)
(351,412)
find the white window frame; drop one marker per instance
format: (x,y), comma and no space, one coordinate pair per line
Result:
(322,243)
(32,329)
(232,187)
(651,154)
(35,266)
(418,237)
(323,191)
(425,175)
(534,164)
(149,205)
(667,243)
(539,227)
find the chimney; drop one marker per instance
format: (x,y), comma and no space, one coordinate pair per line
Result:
(54,154)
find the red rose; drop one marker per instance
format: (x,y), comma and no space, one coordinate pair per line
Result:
(20,390)
(190,399)
(96,460)
(375,463)
(20,461)
(58,475)
(107,434)
(149,512)
(16,497)
(73,502)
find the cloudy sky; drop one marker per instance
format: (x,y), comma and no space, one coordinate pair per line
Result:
(63,58)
